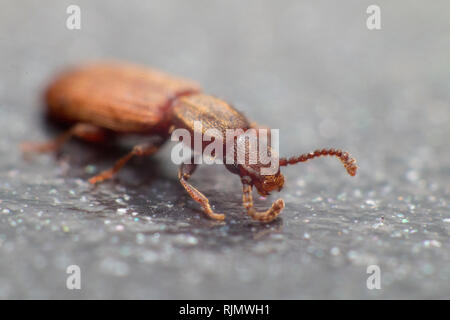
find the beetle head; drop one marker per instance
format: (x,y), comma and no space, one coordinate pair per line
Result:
(266,184)
(261,168)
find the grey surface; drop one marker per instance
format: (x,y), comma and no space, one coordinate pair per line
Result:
(310,68)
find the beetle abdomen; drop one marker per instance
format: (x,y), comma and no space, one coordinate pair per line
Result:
(117,96)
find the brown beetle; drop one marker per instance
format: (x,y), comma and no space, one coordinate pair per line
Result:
(121,98)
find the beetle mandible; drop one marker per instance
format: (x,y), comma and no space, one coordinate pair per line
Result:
(106,98)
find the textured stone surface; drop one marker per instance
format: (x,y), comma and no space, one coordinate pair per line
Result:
(311,69)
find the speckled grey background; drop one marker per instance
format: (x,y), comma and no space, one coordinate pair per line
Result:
(310,68)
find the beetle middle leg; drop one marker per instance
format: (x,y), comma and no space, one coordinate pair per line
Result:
(184,173)
(247,200)
(144,149)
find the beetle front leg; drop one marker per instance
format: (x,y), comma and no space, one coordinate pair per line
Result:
(247,200)
(184,173)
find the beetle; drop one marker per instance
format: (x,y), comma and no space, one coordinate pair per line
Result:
(101,98)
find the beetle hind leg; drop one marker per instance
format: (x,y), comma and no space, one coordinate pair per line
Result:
(184,173)
(85,131)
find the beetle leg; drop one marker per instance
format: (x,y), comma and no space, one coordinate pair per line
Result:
(184,173)
(139,150)
(265,216)
(83,131)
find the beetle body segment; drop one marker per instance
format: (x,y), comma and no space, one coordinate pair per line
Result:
(212,112)
(208,118)
(120,97)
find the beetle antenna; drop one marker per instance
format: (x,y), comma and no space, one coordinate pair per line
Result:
(348,162)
